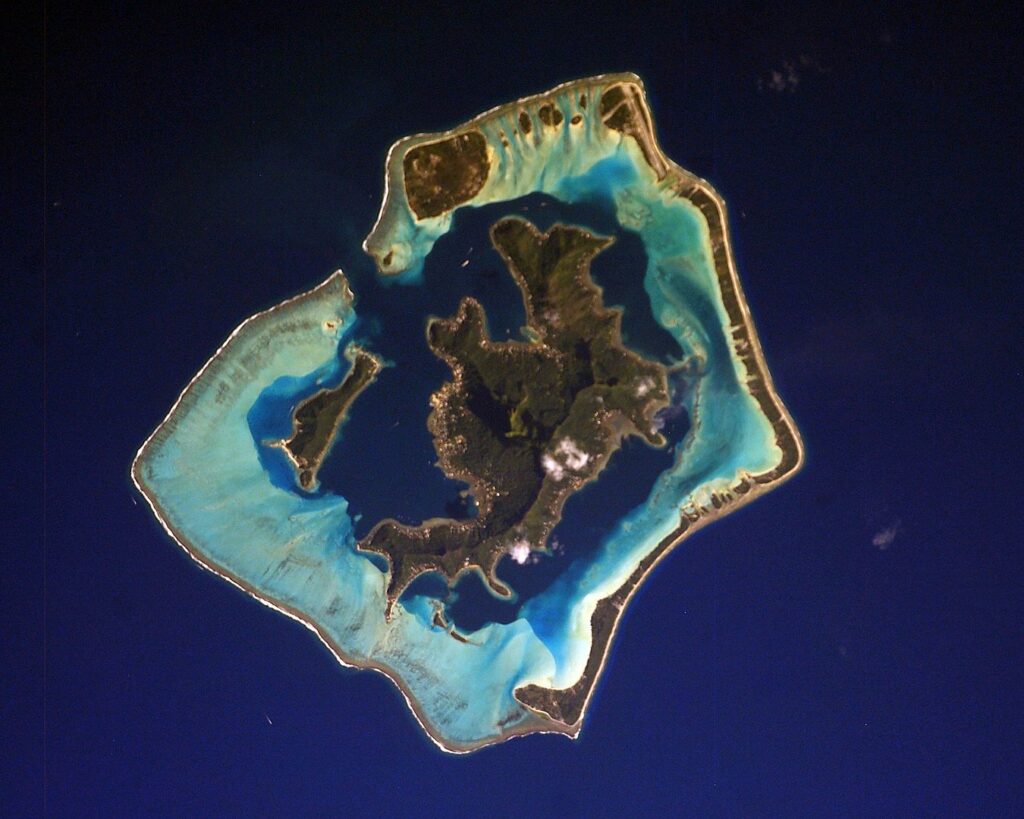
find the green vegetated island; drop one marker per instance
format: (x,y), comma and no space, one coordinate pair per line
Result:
(316,420)
(525,423)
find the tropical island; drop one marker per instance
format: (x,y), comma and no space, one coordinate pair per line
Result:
(317,419)
(525,424)
(530,422)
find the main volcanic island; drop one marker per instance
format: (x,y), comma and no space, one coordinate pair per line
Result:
(526,423)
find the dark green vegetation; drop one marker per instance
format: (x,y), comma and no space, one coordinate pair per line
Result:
(442,175)
(317,419)
(525,423)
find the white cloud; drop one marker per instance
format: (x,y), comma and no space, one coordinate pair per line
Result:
(552,467)
(567,455)
(788,77)
(780,80)
(883,539)
(520,551)
(643,386)
(574,457)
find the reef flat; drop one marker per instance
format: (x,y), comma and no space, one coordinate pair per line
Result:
(528,423)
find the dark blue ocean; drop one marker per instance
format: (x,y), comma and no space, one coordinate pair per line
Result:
(848,645)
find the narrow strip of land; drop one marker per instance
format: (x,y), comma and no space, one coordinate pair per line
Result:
(316,420)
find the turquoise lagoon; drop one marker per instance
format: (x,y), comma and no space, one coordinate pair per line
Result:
(231,501)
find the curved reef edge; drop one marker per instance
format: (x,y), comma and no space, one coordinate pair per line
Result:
(530,725)
(622,107)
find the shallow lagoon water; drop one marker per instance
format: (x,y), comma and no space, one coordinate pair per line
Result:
(589,515)
(226,496)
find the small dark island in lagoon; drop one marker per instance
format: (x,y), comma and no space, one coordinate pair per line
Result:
(317,419)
